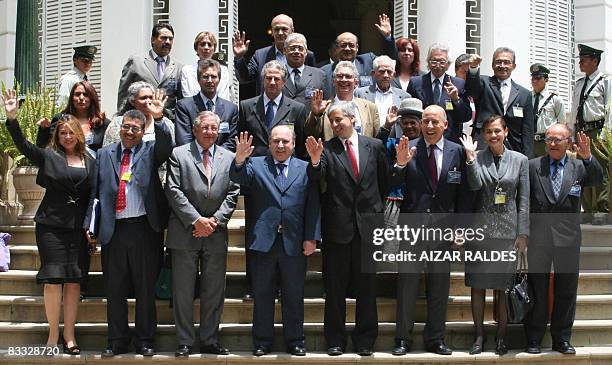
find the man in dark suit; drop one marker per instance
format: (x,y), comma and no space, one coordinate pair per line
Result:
(439,88)
(348,46)
(209,74)
(556,184)
(132,216)
(435,183)
(249,71)
(500,95)
(202,199)
(286,202)
(303,79)
(155,67)
(358,176)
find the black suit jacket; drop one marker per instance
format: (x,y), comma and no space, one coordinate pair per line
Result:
(421,87)
(311,79)
(562,227)
(487,97)
(252,119)
(188,109)
(346,199)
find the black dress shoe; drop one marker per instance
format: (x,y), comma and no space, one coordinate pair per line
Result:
(111,351)
(297,350)
(500,347)
(402,347)
(564,347)
(335,351)
(439,348)
(146,350)
(215,349)
(364,351)
(533,348)
(261,350)
(182,351)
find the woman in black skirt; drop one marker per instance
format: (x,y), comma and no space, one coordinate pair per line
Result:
(501,178)
(66,172)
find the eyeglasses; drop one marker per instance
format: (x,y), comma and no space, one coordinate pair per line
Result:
(437,62)
(349,45)
(555,140)
(133,128)
(294,48)
(502,62)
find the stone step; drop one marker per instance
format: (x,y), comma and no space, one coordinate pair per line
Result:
(23,282)
(93,310)
(237,337)
(599,236)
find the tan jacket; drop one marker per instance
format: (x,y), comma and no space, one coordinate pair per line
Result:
(320,127)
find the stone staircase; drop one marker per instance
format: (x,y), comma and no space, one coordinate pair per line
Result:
(22,316)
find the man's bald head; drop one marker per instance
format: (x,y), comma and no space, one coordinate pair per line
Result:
(559,127)
(433,124)
(282,26)
(347,46)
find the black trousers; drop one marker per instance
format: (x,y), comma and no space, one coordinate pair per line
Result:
(566,261)
(131,260)
(268,267)
(342,274)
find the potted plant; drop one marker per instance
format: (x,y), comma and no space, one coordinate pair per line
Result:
(603,152)
(34,105)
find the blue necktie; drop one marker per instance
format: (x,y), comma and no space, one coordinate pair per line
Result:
(436,91)
(556,180)
(280,178)
(270,114)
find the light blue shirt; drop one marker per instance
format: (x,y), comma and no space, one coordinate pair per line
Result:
(214,101)
(134,201)
(286,169)
(560,168)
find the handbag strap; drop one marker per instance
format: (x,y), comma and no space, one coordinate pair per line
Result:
(522,266)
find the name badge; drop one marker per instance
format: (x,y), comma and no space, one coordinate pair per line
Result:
(575,190)
(127,176)
(517,111)
(309,91)
(453,177)
(365,80)
(170,86)
(449,105)
(500,197)
(224,127)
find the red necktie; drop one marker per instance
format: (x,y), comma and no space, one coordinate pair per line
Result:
(207,168)
(433,168)
(125,167)
(351,153)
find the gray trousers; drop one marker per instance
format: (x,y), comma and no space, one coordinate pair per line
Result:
(212,293)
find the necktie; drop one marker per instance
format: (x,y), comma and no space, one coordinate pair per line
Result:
(536,106)
(161,67)
(556,180)
(280,178)
(296,77)
(125,167)
(85,78)
(436,91)
(433,168)
(207,167)
(209,105)
(580,111)
(352,157)
(270,114)
(505,94)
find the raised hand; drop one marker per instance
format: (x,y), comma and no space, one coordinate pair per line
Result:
(44,122)
(403,152)
(583,147)
(391,117)
(317,104)
(243,147)
(475,60)
(314,148)
(470,147)
(240,43)
(384,25)
(11,104)
(451,90)
(156,107)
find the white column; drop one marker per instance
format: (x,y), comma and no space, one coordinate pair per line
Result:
(441,21)
(188,18)
(592,28)
(506,24)
(8,24)
(126,30)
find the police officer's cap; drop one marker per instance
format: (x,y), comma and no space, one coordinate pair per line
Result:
(88,52)
(538,69)
(588,51)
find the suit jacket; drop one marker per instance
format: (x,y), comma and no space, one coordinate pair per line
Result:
(504,221)
(349,202)
(146,160)
(487,95)
(369,93)
(188,109)
(293,208)
(320,127)
(251,71)
(311,79)
(457,113)
(44,134)
(144,68)
(190,198)
(562,228)
(396,80)
(252,119)
(64,204)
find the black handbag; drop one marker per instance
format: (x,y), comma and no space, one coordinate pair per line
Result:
(519,296)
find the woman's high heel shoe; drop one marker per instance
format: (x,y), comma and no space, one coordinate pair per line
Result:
(74,350)
(478,348)
(500,347)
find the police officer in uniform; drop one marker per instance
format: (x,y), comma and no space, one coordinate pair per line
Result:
(590,112)
(548,107)
(82,60)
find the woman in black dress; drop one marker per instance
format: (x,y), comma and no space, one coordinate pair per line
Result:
(66,172)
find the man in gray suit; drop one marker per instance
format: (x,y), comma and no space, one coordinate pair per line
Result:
(155,67)
(202,199)
(303,79)
(381,92)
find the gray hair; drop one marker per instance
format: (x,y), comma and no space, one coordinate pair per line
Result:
(347,64)
(205,115)
(383,58)
(564,126)
(277,65)
(505,49)
(132,92)
(296,37)
(347,108)
(205,64)
(439,47)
